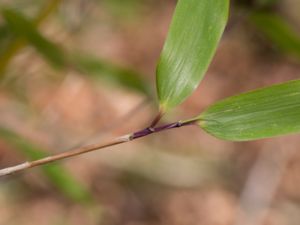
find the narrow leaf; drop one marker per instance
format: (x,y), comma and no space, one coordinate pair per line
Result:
(194,34)
(57,175)
(99,68)
(278,31)
(4,32)
(22,27)
(262,113)
(5,38)
(266,3)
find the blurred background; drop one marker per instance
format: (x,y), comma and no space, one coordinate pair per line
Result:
(74,72)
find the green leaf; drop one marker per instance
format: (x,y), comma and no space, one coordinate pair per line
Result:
(262,113)
(5,38)
(266,3)
(57,175)
(4,32)
(194,34)
(98,68)
(278,31)
(123,9)
(22,27)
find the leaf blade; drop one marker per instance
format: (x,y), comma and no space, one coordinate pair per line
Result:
(278,31)
(263,113)
(98,68)
(24,28)
(195,31)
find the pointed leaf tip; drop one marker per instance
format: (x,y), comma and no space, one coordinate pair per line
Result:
(263,113)
(195,31)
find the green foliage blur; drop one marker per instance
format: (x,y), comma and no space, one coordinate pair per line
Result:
(28,40)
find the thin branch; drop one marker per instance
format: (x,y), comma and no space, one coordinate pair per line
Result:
(93,147)
(67,154)
(157,118)
(116,123)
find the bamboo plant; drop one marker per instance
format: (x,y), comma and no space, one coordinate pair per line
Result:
(193,37)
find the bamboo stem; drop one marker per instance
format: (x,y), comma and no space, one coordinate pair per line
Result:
(63,155)
(93,147)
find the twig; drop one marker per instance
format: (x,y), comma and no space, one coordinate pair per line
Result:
(116,123)
(93,147)
(157,118)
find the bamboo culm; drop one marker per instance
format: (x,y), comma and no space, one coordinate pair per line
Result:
(89,148)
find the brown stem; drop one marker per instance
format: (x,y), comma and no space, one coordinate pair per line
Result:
(67,154)
(157,118)
(93,147)
(79,151)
